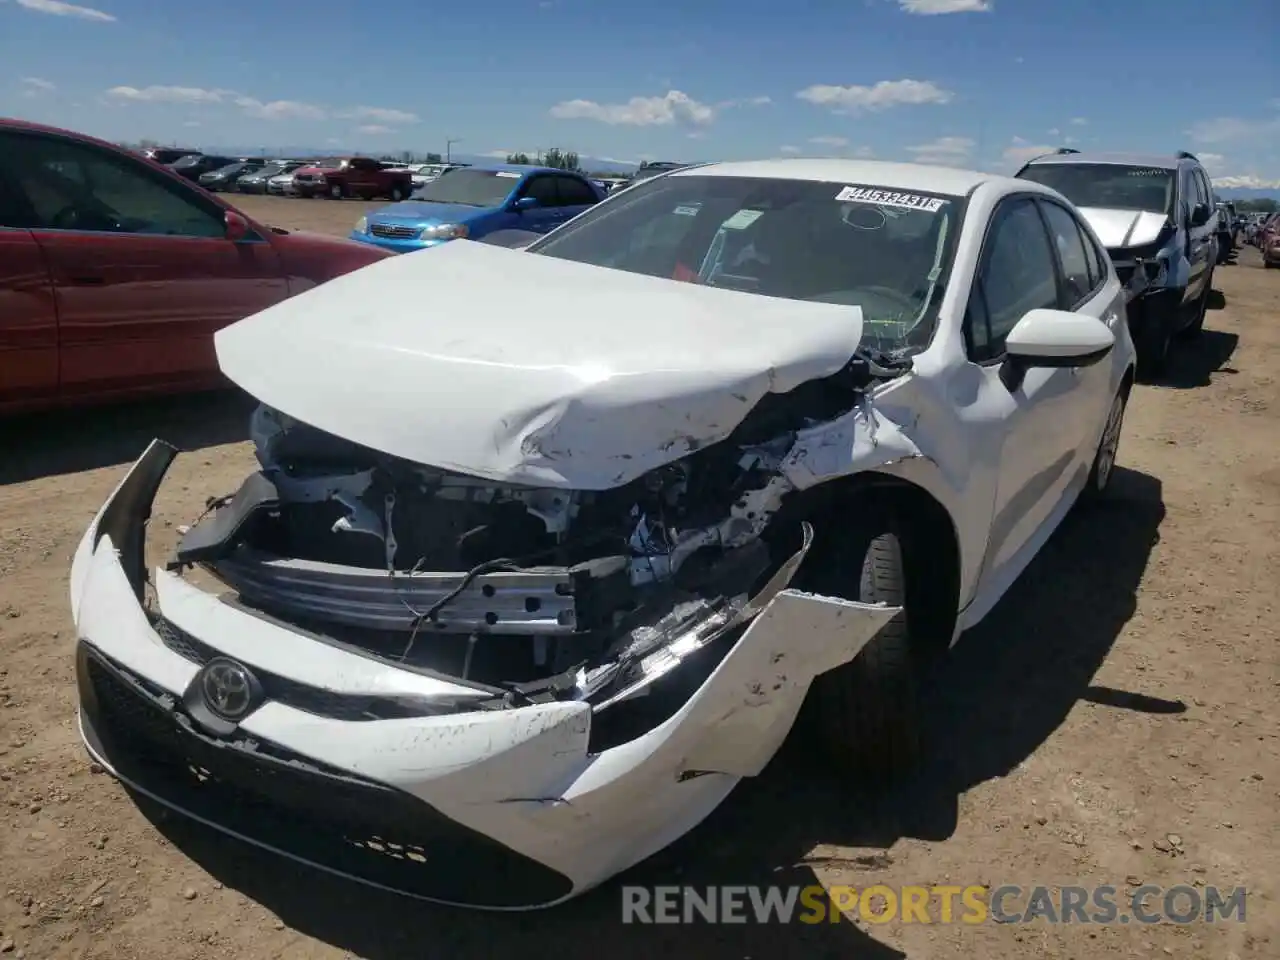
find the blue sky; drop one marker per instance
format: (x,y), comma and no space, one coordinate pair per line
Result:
(966,82)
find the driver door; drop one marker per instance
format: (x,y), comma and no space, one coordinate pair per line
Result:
(142,272)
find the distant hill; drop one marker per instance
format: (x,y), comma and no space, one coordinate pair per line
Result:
(1239,188)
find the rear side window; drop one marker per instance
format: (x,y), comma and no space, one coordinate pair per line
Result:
(575,193)
(1072,253)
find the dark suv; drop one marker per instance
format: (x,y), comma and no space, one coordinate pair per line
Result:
(1156,216)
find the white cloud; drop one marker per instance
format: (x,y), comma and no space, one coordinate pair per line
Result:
(880,96)
(379,115)
(1248,182)
(674,106)
(945,151)
(191,123)
(1079,121)
(830,141)
(165,94)
(1224,129)
(374,129)
(1021,151)
(1055,132)
(35,86)
(933,7)
(1212,162)
(788,148)
(59,9)
(280,109)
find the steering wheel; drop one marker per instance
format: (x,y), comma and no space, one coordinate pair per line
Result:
(73,217)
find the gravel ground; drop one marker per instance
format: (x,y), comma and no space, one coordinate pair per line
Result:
(1113,721)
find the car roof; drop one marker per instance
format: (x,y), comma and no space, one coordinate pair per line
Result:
(1159,161)
(516,168)
(878,173)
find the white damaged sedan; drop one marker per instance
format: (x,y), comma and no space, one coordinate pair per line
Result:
(549,548)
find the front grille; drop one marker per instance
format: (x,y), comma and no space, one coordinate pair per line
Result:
(393,231)
(300,696)
(288,802)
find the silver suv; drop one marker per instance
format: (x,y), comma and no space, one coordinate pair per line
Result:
(1156,216)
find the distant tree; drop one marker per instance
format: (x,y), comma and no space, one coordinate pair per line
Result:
(434,158)
(561,159)
(518,158)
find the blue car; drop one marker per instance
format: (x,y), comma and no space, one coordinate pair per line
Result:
(475,201)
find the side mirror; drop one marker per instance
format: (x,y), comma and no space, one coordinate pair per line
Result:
(524,203)
(1054,339)
(1199,214)
(237,226)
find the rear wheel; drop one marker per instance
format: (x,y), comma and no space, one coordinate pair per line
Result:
(1104,460)
(868,709)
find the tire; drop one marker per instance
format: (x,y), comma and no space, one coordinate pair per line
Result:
(337,192)
(397,193)
(1104,458)
(868,710)
(1155,332)
(1196,326)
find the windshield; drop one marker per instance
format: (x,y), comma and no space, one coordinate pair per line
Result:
(887,251)
(190,160)
(1110,186)
(470,188)
(231,168)
(270,170)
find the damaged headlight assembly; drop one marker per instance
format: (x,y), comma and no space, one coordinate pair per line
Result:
(531,594)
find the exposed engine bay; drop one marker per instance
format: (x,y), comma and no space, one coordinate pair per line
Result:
(546,593)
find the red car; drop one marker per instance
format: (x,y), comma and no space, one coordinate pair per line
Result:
(361,177)
(115,272)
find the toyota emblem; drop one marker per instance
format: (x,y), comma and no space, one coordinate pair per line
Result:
(229,689)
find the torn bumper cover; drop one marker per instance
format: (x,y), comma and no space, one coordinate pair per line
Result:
(257,729)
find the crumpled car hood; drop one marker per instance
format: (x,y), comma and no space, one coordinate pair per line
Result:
(1118,229)
(526,369)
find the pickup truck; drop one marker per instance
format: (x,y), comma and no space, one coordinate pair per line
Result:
(343,177)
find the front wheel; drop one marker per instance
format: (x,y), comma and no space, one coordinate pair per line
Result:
(869,708)
(337,191)
(1157,314)
(397,194)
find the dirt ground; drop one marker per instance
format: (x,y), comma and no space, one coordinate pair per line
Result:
(1126,690)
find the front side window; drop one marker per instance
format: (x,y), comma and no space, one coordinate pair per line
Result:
(1110,186)
(575,193)
(1018,274)
(470,188)
(885,250)
(74,186)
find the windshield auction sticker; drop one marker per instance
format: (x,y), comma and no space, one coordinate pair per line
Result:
(890,198)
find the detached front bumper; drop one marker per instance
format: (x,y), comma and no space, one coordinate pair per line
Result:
(499,809)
